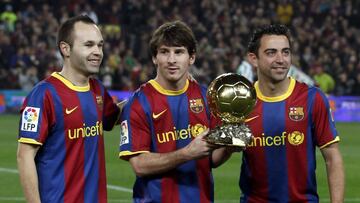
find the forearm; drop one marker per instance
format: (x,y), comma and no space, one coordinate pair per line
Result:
(220,156)
(156,163)
(28,176)
(335,173)
(336,179)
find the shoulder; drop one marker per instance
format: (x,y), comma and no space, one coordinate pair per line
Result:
(193,86)
(41,88)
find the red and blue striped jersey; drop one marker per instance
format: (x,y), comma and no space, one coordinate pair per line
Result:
(279,165)
(67,122)
(159,120)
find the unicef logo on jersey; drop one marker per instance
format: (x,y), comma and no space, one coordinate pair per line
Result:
(30,119)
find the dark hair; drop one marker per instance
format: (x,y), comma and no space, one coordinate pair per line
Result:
(65,33)
(174,33)
(254,44)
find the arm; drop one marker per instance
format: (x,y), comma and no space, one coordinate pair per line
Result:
(121,104)
(27,171)
(335,172)
(221,155)
(146,164)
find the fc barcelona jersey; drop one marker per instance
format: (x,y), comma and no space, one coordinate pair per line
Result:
(160,121)
(67,122)
(279,165)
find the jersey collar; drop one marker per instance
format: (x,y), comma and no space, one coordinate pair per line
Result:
(277,98)
(69,84)
(160,89)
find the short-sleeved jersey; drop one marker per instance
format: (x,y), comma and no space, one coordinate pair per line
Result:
(161,121)
(67,122)
(279,165)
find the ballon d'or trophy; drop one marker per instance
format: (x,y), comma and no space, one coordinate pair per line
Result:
(231,98)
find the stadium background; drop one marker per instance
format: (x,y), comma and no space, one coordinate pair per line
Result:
(326,48)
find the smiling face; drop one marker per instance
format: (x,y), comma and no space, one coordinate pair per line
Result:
(273,59)
(172,65)
(86,53)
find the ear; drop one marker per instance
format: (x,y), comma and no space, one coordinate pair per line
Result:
(154,60)
(65,48)
(253,60)
(192,59)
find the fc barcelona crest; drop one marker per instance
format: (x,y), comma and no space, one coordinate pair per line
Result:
(196,105)
(296,113)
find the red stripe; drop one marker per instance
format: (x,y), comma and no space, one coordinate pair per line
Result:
(45,120)
(162,124)
(74,158)
(102,192)
(139,143)
(297,162)
(255,155)
(203,165)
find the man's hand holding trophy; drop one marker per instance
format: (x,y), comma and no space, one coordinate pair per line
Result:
(231,98)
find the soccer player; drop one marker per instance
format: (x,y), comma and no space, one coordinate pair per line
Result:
(164,124)
(289,121)
(61,146)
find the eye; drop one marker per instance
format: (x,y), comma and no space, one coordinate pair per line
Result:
(163,51)
(179,51)
(287,52)
(88,44)
(270,53)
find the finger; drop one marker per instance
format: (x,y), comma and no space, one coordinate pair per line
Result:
(203,133)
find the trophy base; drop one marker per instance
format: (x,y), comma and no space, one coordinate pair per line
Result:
(236,135)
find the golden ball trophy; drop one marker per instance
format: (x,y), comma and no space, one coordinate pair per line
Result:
(231,98)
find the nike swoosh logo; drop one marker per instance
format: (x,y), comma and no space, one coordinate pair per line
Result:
(71,110)
(155,116)
(250,119)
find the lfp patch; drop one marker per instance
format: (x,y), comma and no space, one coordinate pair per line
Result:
(124,133)
(30,119)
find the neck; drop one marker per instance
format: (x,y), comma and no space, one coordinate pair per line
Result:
(273,89)
(76,78)
(171,85)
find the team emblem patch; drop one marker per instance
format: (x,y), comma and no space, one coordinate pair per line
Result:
(196,105)
(197,129)
(296,113)
(30,119)
(124,133)
(296,138)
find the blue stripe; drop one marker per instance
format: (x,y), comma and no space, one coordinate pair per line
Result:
(310,148)
(51,175)
(327,106)
(274,125)
(147,110)
(186,173)
(91,160)
(144,189)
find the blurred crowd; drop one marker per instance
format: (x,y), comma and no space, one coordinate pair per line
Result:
(326,38)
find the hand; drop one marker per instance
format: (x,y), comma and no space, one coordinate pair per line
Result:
(121,104)
(199,147)
(191,78)
(232,149)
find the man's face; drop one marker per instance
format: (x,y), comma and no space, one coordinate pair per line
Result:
(86,53)
(172,63)
(274,58)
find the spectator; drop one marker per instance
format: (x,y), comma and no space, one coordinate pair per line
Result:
(323,79)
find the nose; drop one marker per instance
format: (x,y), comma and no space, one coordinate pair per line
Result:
(279,58)
(97,50)
(171,58)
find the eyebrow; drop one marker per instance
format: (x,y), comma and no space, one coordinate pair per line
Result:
(93,41)
(273,49)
